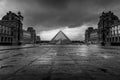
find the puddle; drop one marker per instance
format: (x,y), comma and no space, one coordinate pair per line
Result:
(13,60)
(4,58)
(74,53)
(103,70)
(20,54)
(23,70)
(6,66)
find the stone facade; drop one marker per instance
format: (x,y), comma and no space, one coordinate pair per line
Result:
(91,35)
(37,39)
(87,34)
(33,34)
(26,37)
(94,36)
(113,38)
(5,35)
(108,28)
(11,28)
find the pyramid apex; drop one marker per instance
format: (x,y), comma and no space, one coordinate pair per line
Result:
(60,31)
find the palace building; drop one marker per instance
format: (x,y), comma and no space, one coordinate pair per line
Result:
(11,28)
(5,35)
(94,36)
(38,39)
(91,35)
(26,37)
(109,29)
(33,34)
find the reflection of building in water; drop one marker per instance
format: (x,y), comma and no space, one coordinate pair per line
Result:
(60,38)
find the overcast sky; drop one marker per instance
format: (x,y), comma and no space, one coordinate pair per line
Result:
(50,16)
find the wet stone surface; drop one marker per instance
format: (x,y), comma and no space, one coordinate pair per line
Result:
(60,62)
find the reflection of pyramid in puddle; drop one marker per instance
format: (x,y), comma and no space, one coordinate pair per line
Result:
(60,38)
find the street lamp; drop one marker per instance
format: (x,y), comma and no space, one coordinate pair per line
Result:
(103,34)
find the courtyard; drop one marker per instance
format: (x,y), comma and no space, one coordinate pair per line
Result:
(60,62)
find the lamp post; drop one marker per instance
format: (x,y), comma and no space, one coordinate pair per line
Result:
(20,19)
(103,34)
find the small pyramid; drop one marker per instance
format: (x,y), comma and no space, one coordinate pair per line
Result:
(60,38)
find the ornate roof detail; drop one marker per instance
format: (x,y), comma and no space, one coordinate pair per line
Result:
(12,16)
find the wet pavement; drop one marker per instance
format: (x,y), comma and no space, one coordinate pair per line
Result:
(60,62)
(2,48)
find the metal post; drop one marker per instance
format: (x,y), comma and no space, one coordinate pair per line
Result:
(103,35)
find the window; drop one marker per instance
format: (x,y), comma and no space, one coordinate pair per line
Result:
(107,39)
(0,28)
(6,30)
(116,39)
(9,39)
(111,33)
(1,39)
(3,29)
(116,30)
(9,31)
(5,39)
(113,30)
(119,29)
(113,39)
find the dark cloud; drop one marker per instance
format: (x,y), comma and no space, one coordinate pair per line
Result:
(59,4)
(106,2)
(59,13)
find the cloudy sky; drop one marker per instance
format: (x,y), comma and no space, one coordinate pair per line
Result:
(50,16)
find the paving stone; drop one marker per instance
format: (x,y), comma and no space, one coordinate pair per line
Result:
(60,62)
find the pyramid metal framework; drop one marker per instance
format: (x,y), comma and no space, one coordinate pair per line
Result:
(60,38)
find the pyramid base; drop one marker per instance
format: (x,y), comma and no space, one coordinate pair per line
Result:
(60,42)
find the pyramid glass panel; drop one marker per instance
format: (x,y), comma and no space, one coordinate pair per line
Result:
(60,38)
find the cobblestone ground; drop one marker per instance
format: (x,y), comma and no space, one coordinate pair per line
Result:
(71,62)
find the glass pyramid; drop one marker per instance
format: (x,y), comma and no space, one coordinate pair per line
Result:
(60,38)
